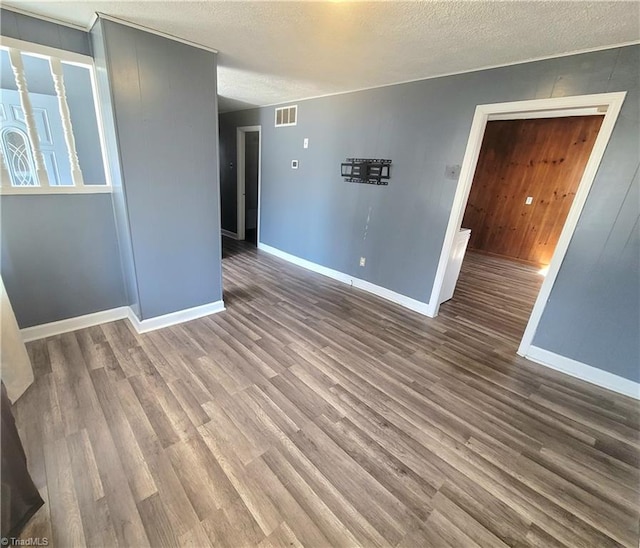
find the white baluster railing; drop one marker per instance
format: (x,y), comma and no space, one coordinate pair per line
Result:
(58,82)
(32,131)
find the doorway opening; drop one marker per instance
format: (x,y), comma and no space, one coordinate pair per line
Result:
(249,147)
(606,107)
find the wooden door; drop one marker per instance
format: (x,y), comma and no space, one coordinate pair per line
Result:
(541,160)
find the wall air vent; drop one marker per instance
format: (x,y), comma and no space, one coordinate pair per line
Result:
(287,116)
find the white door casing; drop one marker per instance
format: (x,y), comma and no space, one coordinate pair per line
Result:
(240,184)
(608,104)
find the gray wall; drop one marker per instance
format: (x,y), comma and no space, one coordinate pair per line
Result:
(165,112)
(423,126)
(593,312)
(59,256)
(119,199)
(21,27)
(59,253)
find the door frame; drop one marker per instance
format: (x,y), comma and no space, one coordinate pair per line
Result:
(241,142)
(608,104)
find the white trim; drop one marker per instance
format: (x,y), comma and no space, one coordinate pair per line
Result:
(46,18)
(101,125)
(92,22)
(613,103)
(141,326)
(258,220)
(398,298)
(445,74)
(240,183)
(73,324)
(229,234)
(403,300)
(173,318)
(39,50)
(299,261)
(584,372)
(560,113)
(55,57)
(166,35)
(240,179)
(30,190)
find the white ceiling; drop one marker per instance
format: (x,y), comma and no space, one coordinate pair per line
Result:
(273,52)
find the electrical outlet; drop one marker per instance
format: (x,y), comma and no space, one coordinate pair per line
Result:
(529,200)
(305,143)
(294,164)
(363,261)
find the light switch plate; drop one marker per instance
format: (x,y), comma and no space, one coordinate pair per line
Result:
(294,164)
(529,200)
(305,143)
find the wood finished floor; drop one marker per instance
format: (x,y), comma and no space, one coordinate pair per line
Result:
(309,413)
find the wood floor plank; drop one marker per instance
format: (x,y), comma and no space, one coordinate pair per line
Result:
(330,525)
(195,538)
(404,484)
(202,477)
(233,526)
(94,511)
(121,508)
(264,512)
(156,523)
(178,508)
(310,413)
(132,458)
(304,528)
(282,537)
(381,509)
(39,526)
(67,529)
(465,522)
(335,500)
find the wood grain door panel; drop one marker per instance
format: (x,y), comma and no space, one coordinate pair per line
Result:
(542,158)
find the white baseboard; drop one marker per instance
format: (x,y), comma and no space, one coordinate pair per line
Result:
(173,318)
(325,271)
(141,326)
(403,300)
(229,234)
(73,324)
(584,372)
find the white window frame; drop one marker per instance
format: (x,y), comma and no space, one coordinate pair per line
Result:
(69,58)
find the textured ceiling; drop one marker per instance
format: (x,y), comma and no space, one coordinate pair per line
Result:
(272,52)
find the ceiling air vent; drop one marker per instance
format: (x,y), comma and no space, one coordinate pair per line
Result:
(287,116)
